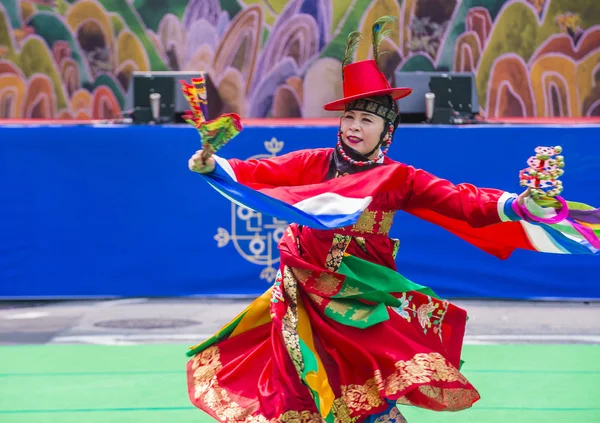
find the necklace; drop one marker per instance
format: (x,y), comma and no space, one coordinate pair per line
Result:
(361,163)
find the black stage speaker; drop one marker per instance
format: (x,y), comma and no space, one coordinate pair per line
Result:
(172,104)
(455,95)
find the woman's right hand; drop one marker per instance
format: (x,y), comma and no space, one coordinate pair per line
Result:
(197,164)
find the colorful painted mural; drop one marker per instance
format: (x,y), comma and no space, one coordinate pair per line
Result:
(282,58)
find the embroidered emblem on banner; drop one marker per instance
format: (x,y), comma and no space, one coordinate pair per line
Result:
(255,236)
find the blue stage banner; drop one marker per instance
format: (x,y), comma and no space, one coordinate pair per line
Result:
(113,211)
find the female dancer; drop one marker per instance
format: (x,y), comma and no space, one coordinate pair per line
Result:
(341,336)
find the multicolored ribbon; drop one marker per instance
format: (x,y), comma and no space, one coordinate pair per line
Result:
(569,226)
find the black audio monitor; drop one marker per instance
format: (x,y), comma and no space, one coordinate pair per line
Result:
(172,102)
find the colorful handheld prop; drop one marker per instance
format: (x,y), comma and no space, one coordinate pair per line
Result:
(214,133)
(542,177)
(543,172)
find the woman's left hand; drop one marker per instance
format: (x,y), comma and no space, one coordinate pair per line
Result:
(523,196)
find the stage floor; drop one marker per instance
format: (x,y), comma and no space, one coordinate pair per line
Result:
(146,384)
(96,363)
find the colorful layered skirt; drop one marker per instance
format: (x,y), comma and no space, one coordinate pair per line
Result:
(346,342)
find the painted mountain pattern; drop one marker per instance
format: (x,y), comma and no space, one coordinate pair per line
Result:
(282,58)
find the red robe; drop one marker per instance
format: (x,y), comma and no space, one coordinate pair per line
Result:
(336,337)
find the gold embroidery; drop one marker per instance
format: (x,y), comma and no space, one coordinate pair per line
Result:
(396,247)
(258,419)
(379,380)
(302,275)
(207,389)
(292,343)
(363,397)
(349,291)
(316,298)
(456,399)
(394,416)
(327,284)
(289,283)
(422,368)
(342,412)
(442,371)
(300,417)
(338,307)
(209,394)
(289,322)
(403,401)
(361,242)
(385,224)
(336,252)
(361,313)
(365,222)
(430,391)
(206,365)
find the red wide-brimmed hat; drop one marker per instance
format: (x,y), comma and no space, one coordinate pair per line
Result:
(365,79)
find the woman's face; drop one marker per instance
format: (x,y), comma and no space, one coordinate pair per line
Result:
(361,131)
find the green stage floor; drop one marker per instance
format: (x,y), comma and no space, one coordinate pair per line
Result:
(146,383)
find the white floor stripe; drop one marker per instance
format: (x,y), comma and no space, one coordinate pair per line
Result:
(25,316)
(126,301)
(132,339)
(532,338)
(195,338)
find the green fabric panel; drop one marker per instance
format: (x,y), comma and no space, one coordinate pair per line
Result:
(355,313)
(309,359)
(223,333)
(361,273)
(368,282)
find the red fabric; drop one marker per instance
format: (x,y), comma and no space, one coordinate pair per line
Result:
(462,209)
(477,207)
(302,167)
(397,359)
(499,240)
(297,250)
(393,186)
(254,372)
